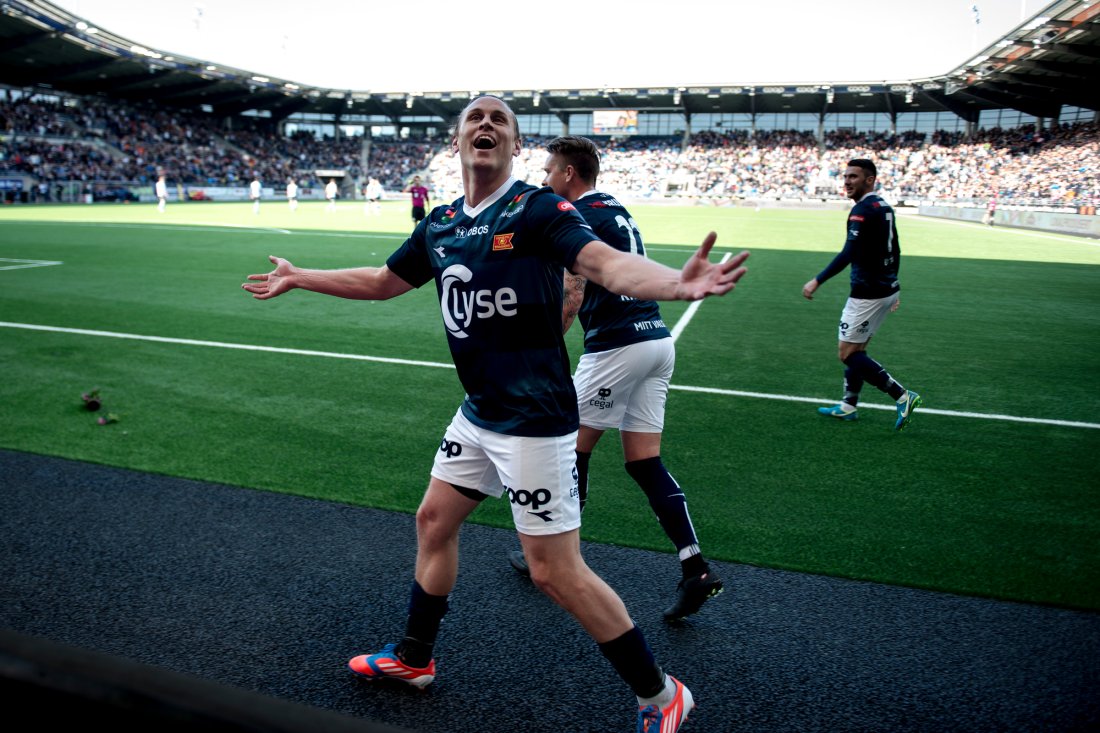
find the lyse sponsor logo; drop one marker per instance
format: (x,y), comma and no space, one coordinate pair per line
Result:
(855,217)
(566,206)
(460,306)
(450,448)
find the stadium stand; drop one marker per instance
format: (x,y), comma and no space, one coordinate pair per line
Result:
(117,147)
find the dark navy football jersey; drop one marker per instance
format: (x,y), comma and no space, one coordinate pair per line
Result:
(872,248)
(611,320)
(498,269)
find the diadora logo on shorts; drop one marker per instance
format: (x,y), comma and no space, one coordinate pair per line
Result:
(461,305)
(450,448)
(533,499)
(461,232)
(602,401)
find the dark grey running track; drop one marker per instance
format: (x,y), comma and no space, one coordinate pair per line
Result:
(273,594)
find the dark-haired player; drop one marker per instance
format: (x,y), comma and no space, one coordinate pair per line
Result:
(497,257)
(874,253)
(623,376)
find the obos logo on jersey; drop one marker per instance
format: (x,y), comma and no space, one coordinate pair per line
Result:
(460,305)
(461,232)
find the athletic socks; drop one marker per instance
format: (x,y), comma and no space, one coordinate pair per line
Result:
(582,476)
(670,505)
(874,374)
(853,383)
(632,658)
(426,613)
(662,698)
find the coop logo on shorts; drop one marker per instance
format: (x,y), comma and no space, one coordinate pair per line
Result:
(461,305)
(450,448)
(602,402)
(533,499)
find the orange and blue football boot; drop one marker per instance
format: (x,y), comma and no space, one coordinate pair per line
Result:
(386,665)
(667,719)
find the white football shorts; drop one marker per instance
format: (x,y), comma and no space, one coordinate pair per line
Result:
(538,475)
(863,316)
(626,388)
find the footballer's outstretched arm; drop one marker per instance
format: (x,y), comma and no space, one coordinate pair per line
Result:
(628,274)
(359,283)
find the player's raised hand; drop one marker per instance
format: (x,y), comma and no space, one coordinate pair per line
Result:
(810,288)
(270,284)
(701,277)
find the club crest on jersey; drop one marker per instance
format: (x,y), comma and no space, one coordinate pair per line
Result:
(566,206)
(513,207)
(446,221)
(502,241)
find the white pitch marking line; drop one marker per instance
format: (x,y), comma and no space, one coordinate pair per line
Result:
(690,312)
(27,263)
(222,345)
(440,365)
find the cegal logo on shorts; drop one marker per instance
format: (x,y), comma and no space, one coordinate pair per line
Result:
(602,402)
(461,305)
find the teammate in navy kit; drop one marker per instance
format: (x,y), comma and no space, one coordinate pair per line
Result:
(874,253)
(497,256)
(623,376)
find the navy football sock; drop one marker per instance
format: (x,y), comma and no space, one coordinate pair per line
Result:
(874,374)
(668,502)
(582,476)
(632,658)
(426,613)
(853,383)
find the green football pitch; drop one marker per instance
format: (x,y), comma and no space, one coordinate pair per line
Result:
(992,491)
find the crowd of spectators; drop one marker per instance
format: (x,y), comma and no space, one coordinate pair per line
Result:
(97,141)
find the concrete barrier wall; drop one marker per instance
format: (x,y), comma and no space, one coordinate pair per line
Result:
(1046,221)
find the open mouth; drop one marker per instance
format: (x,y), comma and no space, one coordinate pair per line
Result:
(485,142)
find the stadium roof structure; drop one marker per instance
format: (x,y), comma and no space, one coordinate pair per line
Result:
(1049,61)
